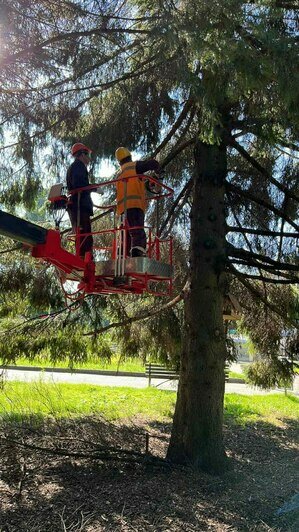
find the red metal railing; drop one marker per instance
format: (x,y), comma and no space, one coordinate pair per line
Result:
(110,243)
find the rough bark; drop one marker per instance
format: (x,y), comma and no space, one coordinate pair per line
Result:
(197,427)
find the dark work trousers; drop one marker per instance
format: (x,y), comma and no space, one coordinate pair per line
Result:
(86,242)
(136,238)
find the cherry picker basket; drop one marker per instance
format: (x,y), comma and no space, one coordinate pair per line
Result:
(58,202)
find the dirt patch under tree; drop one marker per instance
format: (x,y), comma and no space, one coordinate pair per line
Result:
(98,478)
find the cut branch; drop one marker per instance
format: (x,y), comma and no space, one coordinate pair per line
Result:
(105,454)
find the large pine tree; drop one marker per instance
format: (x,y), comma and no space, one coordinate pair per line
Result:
(211,89)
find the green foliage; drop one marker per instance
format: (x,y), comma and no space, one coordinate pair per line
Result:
(274,344)
(64,344)
(103,359)
(69,344)
(270,373)
(45,291)
(20,280)
(113,121)
(231,350)
(111,81)
(156,339)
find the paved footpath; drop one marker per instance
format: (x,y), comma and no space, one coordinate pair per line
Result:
(104,380)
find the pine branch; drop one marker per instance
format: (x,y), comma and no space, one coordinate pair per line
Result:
(288,144)
(187,107)
(93,94)
(72,78)
(262,278)
(280,4)
(101,87)
(285,204)
(70,36)
(242,253)
(271,269)
(261,169)
(41,318)
(287,153)
(245,237)
(252,40)
(144,316)
(176,151)
(257,294)
(260,232)
(185,189)
(114,17)
(248,195)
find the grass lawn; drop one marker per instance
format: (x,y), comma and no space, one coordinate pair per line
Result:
(69,400)
(235,375)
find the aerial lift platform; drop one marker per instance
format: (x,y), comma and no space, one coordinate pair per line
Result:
(109,269)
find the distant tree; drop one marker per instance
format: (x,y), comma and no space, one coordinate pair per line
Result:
(211,89)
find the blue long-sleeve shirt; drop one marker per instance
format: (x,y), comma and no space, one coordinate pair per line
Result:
(77,177)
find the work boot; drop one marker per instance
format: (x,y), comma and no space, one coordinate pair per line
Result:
(138,251)
(120,280)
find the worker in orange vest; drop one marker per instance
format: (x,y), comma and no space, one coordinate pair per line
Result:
(131,198)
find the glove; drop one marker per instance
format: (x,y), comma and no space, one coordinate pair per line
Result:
(154,188)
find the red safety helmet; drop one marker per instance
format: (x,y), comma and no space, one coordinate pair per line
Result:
(78,147)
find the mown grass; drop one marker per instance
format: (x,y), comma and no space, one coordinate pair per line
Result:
(235,375)
(272,408)
(68,400)
(19,399)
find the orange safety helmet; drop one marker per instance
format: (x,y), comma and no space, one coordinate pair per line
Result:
(78,147)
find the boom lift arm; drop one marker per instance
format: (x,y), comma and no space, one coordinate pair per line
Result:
(44,243)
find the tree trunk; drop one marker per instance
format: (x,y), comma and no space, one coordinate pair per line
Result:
(197,427)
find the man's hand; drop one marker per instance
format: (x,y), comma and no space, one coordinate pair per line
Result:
(154,188)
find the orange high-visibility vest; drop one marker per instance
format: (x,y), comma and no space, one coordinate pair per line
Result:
(129,194)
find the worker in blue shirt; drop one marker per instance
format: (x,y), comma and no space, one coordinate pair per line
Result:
(80,208)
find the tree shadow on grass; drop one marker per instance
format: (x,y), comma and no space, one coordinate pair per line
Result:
(53,493)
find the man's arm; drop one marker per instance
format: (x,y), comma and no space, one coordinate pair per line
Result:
(147,166)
